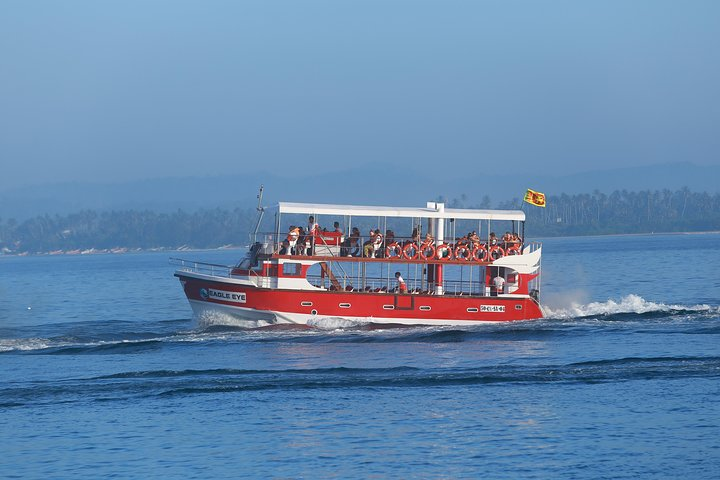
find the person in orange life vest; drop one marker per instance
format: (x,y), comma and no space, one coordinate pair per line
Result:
(292,238)
(506,239)
(401,287)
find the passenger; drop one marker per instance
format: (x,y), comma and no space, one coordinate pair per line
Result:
(507,240)
(492,241)
(377,242)
(336,225)
(371,247)
(354,242)
(312,230)
(516,239)
(474,238)
(415,237)
(429,240)
(292,238)
(498,285)
(302,238)
(401,286)
(285,248)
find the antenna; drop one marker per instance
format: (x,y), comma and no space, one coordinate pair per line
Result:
(261,212)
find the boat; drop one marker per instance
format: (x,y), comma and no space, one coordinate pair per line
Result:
(431,276)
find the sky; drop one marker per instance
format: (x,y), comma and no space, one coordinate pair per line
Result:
(114,91)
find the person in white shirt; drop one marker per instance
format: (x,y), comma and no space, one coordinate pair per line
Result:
(312,230)
(401,286)
(499,284)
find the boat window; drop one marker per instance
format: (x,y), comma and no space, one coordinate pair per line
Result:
(291,269)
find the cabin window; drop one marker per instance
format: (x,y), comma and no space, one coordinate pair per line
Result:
(344,305)
(472,310)
(425,308)
(388,307)
(291,269)
(306,304)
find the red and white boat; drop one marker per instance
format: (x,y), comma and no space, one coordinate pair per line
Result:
(446,280)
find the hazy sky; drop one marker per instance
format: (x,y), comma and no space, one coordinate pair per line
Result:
(121,90)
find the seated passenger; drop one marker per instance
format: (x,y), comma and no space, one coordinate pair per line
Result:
(429,240)
(354,250)
(506,240)
(415,237)
(285,248)
(492,241)
(302,238)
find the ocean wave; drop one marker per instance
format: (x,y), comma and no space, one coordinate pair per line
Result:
(130,385)
(629,304)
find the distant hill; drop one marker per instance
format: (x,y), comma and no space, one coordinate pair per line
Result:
(374,184)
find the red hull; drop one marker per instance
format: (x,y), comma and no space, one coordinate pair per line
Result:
(298,305)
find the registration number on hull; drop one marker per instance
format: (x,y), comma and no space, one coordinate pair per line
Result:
(492,308)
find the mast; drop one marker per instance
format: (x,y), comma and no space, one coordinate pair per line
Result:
(261,213)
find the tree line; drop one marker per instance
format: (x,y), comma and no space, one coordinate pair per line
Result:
(580,214)
(623,212)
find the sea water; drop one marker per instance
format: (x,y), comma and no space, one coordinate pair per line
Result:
(103,372)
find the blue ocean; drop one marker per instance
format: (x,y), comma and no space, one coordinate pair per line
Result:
(104,373)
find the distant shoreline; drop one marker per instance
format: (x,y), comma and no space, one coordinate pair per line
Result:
(125,250)
(708,232)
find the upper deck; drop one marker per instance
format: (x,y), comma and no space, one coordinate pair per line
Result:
(434,210)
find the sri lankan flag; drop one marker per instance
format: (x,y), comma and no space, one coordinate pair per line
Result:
(535,198)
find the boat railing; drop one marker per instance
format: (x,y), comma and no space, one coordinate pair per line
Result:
(202,267)
(335,244)
(383,285)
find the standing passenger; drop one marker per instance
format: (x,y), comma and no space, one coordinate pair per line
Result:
(313,229)
(401,286)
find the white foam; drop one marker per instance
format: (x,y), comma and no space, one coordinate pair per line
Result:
(209,318)
(23,344)
(629,304)
(334,323)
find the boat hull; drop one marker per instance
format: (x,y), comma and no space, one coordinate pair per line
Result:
(212,298)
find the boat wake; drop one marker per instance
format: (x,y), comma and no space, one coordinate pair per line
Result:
(630,304)
(628,313)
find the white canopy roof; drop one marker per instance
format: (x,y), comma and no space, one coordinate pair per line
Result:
(433,210)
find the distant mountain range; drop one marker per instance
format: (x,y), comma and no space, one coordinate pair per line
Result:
(371,185)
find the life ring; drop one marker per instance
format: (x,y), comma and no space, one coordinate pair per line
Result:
(394,250)
(440,251)
(462,252)
(480,254)
(513,250)
(495,253)
(427,251)
(411,247)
